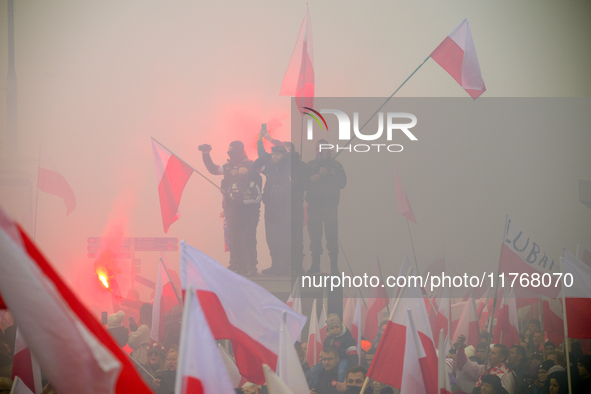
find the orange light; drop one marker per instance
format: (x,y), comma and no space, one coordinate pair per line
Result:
(104,280)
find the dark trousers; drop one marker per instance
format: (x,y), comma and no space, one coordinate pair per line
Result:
(277,230)
(323,219)
(241,234)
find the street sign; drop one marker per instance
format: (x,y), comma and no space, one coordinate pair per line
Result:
(115,255)
(156,240)
(114,248)
(141,244)
(156,248)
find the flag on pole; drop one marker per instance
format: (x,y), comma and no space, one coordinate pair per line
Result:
(443,319)
(25,366)
(468,324)
(164,300)
(205,374)
(402,203)
(314,341)
(444,386)
(231,368)
(349,310)
(239,310)
(577,296)
(553,322)
(522,255)
(322,325)
(19,387)
(274,384)
(76,353)
(356,326)
(417,378)
(377,310)
(289,368)
(50,180)
(299,77)
(457,55)
(295,300)
(396,354)
(172,175)
(507,322)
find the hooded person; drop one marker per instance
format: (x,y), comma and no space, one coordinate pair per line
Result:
(326,178)
(241,205)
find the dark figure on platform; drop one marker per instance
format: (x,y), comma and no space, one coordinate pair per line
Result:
(242,202)
(276,196)
(298,190)
(326,178)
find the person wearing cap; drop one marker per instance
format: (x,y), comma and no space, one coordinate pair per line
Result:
(156,362)
(276,167)
(583,383)
(537,387)
(241,205)
(326,178)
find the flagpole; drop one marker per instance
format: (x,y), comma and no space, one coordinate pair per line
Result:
(413,247)
(171,282)
(190,166)
(303,85)
(542,324)
(141,366)
(566,344)
(382,279)
(350,269)
(385,102)
(37,196)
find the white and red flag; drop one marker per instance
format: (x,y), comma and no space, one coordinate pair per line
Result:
(553,321)
(377,310)
(443,384)
(457,55)
(443,318)
(50,180)
(522,255)
(396,354)
(172,175)
(239,310)
(322,324)
(235,378)
(295,300)
(75,352)
(402,203)
(507,327)
(299,77)
(468,323)
(25,366)
(274,383)
(315,342)
(164,300)
(577,297)
(289,368)
(19,387)
(356,326)
(201,369)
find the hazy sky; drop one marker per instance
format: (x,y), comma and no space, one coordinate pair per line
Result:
(96,80)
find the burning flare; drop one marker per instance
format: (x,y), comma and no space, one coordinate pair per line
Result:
(100,271)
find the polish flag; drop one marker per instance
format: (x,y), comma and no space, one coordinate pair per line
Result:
(239,310)
(298,81)
(442,321)
(468,324)
(172,175)
(314,341)
(553,322)
(76,353)
(457,55)
(231,368)
(395,356)
(521,254)
(444,386)
(356,326)
(274,383)
(322,325)
(456,312)
(19,387)
(164,300)
(349,311)
(417,376)
(50,180)
(402,203)
(507,323)
(295,301)
(205,374)
(377,311)
(25,366)
(289,368)
(577,296)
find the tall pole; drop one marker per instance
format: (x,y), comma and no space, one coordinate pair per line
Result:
(11,108)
